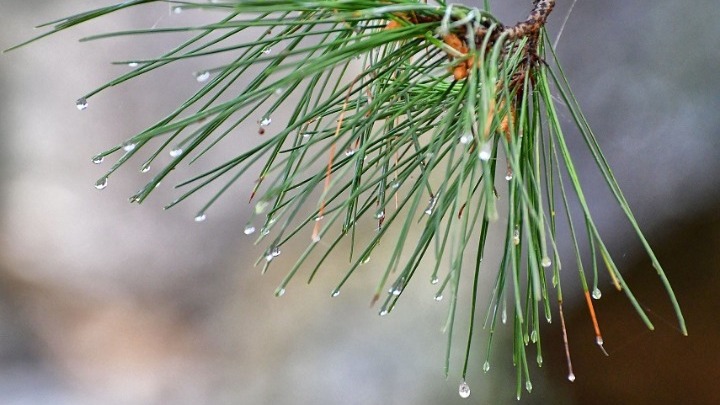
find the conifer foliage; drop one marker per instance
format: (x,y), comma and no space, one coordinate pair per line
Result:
(409,120)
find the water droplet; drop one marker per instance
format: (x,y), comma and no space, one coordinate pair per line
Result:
(101,184)
(264,231)
(431,205)
(279,91)
(380,214)
(266,51)
(98,159)
(307,135)
(396,291)
(503,316)
(134,199)
(464,390)
(434,280)
(200,217)
(365,260)
(319,218)
(350,152)
(279,292)
(383,312)
(597,294)
(516,236)
(268,257)
(129,146)
(599,340)
(533,336)
(176,152)
(81,104)
(466,139)
(528,386)
(275,251)
(265,121)
(395,184)
(249,230)
(438,297)
(145,168)
(545,262)
(177,10)
(335,293)
(133,64)
(486,366)
(509,174)
(571,377)
(202,76)
(485,151)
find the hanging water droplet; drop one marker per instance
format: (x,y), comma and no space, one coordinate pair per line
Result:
(264,231)
(571,377)
(145,168)
(279,91)
(202,76)
(383,312)
(396,291)
(599,341)
(133,64)
(177,10)
(275,251)
(268,256)
(434,280)
(533,336)
(200,217)
(395,184)
(431,205)
(319,218)
(380,214)
(597,294)
(365,260)
(516,236)
(249,230)
(102,183)
(509,174)
(503,316)
(265,121)
(266,51)
(350,152)
(98,159)
(129,146)
(528,386)
(315,238)
(335,293)
(81,103)
(279,292)
(307,135)
(464,390)
(485,151)
(486,366)
(466,138)
(176,152)
(545,262)
(438,297)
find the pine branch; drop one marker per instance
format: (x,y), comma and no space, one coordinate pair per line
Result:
(443,91)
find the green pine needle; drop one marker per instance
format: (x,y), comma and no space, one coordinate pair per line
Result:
(445,95)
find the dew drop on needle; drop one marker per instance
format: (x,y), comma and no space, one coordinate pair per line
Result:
(464,390)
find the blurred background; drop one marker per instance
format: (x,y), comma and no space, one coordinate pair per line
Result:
(102,301)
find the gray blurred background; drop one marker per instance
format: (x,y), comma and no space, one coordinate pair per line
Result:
(107,302)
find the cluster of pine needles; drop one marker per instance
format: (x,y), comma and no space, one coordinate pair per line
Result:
(403,113)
